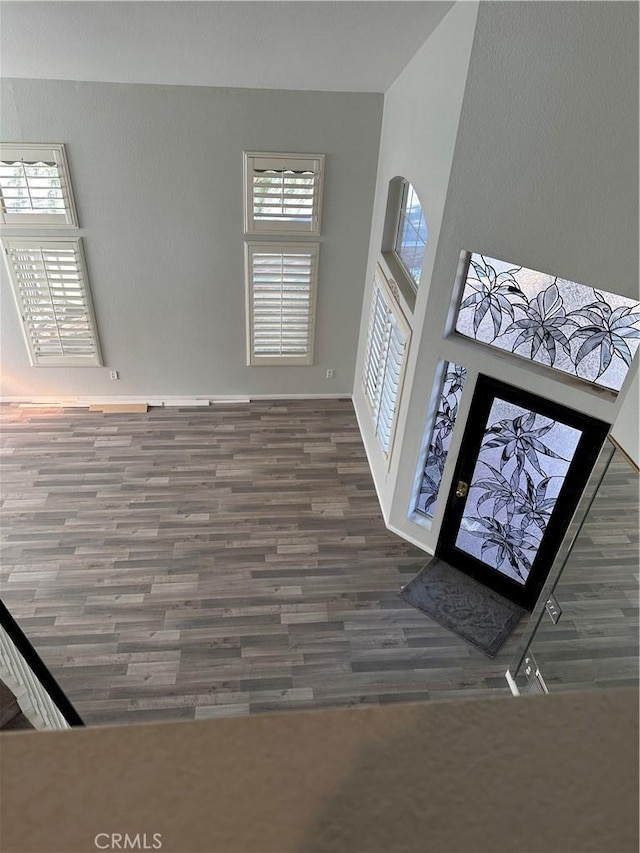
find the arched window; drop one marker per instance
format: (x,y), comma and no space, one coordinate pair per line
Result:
(405,237)
(411,235)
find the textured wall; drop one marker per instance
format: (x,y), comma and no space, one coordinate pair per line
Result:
(553,773)
(544,174)
(421,113)
(157,175)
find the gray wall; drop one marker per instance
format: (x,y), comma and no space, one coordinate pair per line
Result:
(544,174)
(421,114)
(157,175)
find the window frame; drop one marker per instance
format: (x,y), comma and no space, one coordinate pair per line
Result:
(281,160)
(403,278)
(552,371)
(39,243)
(312,249)
(33,152)
(438,398)
(381,284)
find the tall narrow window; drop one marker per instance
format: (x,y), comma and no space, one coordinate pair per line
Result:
(590,334)
(54,303)
(387,344)
(281,298)
(283,193)
(35,187)
(448,404)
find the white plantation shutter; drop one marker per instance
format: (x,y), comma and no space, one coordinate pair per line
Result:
(52,294)
(281,295)
(387,343)
(35,187)
(376,348)
(283,193)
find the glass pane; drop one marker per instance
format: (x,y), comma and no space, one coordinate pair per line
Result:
(520,470)
(30,188)
(595,585)
(412,234)
(575,535)
(585,332)
(450,395)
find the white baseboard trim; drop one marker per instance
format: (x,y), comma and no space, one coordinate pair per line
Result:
(346,396)
(167,400)
(371,468)
(409,538)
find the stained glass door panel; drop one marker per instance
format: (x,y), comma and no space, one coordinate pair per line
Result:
(522,468)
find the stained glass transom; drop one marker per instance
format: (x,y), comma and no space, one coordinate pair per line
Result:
(588,333)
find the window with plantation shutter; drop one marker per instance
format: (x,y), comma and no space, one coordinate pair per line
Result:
(281,297)
(54,303)
(387,344)
(283,193)
(35,187)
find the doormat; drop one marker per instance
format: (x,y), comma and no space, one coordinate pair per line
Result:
(463,605)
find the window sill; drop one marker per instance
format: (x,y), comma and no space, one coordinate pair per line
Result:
(405,285)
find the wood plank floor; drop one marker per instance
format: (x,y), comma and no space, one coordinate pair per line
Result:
(216,561)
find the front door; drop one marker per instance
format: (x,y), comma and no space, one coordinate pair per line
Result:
(522,467)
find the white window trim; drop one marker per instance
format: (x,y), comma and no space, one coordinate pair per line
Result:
(33,152)
(281,160)
(406,283)
(382,286)
(312,249)
(95,360)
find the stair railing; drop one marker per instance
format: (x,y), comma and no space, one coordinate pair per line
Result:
(41,699)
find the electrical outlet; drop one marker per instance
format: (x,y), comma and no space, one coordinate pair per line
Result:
(113,374)
(330,373)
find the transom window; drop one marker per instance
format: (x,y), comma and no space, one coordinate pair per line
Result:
(283,193)
(585,332)
(34,186)
(411,236)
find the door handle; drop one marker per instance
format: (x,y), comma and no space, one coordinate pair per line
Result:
(462,489)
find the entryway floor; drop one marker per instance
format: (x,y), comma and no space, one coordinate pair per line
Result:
(216,561)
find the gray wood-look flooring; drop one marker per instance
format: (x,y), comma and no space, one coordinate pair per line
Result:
(216,561)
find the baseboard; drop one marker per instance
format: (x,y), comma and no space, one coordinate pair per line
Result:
(371,468)
(168,400)
(409,538)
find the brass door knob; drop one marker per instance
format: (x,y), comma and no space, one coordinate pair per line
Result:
(463,488)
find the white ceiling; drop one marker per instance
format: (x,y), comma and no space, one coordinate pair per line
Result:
(326,46)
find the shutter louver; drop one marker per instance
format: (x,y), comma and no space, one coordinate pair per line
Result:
(281,300)
(283,193)
(53,300)
(34,186)
(384,364)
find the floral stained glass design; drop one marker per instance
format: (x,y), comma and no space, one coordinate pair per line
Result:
(520,470)
(588,333)
(450,395)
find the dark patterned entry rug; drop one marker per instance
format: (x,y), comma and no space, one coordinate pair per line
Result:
(463,605)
